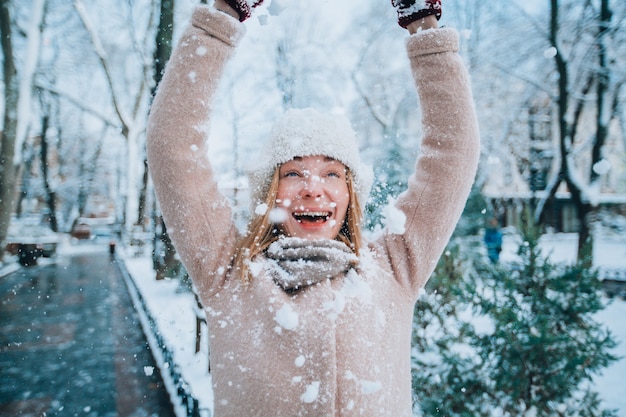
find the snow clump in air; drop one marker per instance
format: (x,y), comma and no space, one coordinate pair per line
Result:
(550,52)
(260,209)
(286,318)
(311,393)
(255,268)
(370,387)
(354,287)
(278,215)
(299,361)
(602,167)
(276,7)
(394,218)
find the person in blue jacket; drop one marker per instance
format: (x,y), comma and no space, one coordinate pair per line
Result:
(493,240)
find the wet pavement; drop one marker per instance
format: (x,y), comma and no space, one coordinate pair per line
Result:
(71,344)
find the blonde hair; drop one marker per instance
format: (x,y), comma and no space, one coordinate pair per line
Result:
(262,232)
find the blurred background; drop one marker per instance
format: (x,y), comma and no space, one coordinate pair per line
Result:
(548,79)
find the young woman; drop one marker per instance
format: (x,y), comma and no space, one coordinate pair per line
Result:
(305,317)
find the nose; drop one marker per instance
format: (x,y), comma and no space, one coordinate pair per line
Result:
(312,187)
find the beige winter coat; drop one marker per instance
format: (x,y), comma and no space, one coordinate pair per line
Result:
(341,347)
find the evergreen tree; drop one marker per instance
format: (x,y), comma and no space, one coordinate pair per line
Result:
(509,340)
(445,377)
(545,346)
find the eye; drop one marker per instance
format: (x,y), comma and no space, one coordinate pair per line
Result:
(292,173)
(334,174)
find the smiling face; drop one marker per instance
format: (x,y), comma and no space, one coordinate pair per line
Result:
(313,191)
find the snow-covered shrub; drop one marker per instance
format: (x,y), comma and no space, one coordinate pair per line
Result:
(510,340)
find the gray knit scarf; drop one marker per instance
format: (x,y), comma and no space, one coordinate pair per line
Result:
(296,263)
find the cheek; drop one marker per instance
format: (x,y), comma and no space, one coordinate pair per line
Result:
(341,202)
(341,194)
(284,197)
(284,192)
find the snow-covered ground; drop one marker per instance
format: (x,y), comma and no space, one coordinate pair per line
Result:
(173,311)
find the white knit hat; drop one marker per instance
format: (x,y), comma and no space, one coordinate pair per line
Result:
(305,132)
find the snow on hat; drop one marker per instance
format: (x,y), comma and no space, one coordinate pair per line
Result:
(305,132)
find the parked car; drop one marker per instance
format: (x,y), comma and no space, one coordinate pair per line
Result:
(81,231)
(29,240)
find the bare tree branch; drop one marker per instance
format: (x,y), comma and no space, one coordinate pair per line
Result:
(78,103)
(102,56)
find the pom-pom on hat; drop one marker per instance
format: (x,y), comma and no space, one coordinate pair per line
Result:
(305,132)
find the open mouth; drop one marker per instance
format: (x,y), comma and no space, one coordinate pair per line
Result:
(312,217)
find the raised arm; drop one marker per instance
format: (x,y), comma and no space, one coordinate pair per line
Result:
(449,153)
(198,217)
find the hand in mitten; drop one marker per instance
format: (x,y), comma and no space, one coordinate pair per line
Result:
(411,10)
(244,7)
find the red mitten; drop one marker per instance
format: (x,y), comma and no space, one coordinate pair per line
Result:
(244,7)
(411,10)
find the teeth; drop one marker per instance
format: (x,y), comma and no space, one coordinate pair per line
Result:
(313,214)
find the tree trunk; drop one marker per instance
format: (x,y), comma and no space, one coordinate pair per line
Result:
(143,195)
(7,150)
(162,53)
(86,173)
(164,258)
(584,210)
(50,194)
(23,177)
(166,264)
(602,101)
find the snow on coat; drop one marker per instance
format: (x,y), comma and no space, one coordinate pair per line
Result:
(340,346)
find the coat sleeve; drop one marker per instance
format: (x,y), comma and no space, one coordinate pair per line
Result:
(197,215)
(447,162)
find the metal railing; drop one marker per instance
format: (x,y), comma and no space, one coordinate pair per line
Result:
(183,402)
